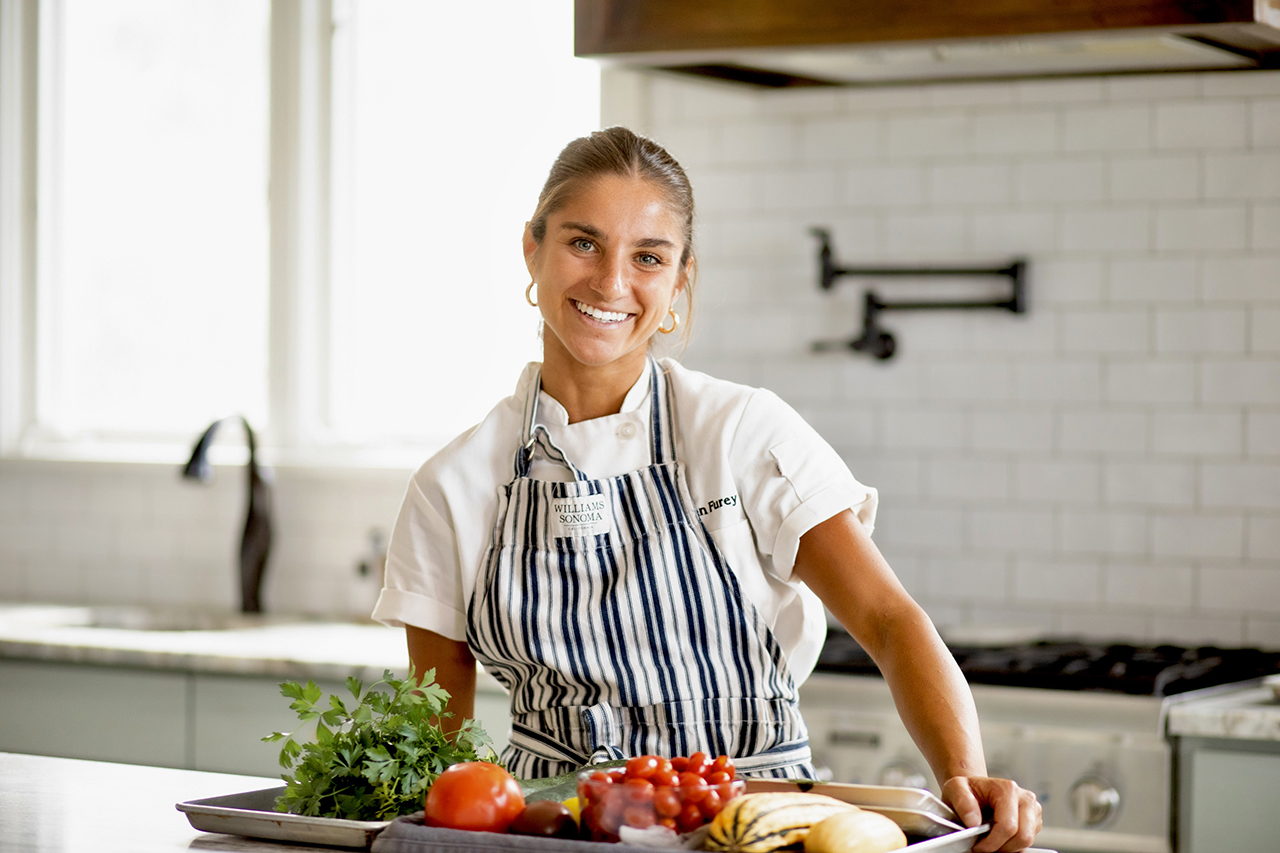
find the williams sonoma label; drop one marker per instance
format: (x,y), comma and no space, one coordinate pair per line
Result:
(586,515)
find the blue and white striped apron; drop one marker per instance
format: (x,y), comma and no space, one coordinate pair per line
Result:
(608,612)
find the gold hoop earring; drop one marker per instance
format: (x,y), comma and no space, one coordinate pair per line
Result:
(675,322)
(528,291)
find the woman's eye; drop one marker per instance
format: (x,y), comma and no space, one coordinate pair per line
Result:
(649,260)
(582,244)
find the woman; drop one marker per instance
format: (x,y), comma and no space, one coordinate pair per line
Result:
(640,553)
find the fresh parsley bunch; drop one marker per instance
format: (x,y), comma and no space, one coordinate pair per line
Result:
(376,760)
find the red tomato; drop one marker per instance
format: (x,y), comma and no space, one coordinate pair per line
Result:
(698,763)
(664,766)
(638,791)
(718,777)
(690,818)
(638,817)
(642,766)
(692,787)
(670,778)
(711,804)
(722,764)
(680,763)
(475,795)
(666,802)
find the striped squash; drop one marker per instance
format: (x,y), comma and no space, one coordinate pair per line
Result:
(760,823)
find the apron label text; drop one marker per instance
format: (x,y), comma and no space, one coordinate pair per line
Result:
(712,506)
(580,516)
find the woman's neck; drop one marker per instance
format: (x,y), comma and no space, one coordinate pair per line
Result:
(586,391)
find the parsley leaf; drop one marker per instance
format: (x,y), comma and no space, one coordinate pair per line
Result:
(376,760)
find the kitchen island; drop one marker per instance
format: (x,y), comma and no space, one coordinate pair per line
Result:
(62,805)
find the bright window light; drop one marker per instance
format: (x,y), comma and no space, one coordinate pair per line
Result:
(447,117)
(153,297)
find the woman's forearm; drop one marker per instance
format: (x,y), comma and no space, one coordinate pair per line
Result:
(455,670)
(838,561)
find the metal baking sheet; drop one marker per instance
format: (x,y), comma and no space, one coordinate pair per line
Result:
(915,799)
(253,814)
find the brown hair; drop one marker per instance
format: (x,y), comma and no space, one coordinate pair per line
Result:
(617,151)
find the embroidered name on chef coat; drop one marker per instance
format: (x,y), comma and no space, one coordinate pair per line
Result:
(718,503)
(580,516)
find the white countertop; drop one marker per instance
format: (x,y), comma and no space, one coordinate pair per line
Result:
(1247,714)
(62,805)
(276,646)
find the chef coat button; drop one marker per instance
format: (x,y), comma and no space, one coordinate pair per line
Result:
(627,430)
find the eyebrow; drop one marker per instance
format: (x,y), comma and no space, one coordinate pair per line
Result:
(590,231)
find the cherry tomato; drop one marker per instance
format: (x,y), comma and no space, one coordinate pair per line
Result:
(666,802)
(668,822)
(475,795)
(680,763)
(664,766)
(718,777)
(698,763)
(638,791)
(641,817)
(690,818)
(545,818)
(669,778)
(642,766)
(692,787)
(722,764)
(617,775)
(711,804)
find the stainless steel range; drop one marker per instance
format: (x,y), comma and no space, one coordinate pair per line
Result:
(1080,724)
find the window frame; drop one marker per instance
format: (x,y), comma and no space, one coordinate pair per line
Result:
(300,138)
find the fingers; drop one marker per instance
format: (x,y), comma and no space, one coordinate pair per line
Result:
(957,793)
(1015,814)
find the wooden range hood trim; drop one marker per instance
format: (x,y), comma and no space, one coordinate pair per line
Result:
(609,27)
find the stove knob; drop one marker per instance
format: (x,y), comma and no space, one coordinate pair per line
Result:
(901,774)
(1093,800)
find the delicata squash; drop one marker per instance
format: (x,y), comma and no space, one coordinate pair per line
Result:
(760,823)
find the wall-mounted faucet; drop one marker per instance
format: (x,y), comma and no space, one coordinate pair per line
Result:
(255,544)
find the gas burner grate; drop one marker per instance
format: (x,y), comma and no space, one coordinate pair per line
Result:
(1164,670)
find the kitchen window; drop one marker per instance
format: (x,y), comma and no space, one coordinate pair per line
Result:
(305,212)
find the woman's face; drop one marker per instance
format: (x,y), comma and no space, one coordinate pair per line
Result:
(607,270)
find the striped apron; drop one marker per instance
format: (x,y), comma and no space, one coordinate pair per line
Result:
(608,612)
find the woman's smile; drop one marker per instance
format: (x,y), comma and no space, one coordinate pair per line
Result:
(608,317)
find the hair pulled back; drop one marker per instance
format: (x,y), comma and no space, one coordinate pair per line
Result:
(622,152)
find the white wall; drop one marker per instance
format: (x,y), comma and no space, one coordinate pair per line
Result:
(1107,464)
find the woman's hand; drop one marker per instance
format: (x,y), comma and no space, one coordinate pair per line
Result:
(1015,814)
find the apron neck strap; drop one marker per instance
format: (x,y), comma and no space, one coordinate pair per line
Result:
(534,435)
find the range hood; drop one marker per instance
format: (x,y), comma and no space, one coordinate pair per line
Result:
(782,43)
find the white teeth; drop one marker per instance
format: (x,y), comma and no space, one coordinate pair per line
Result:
(602,316)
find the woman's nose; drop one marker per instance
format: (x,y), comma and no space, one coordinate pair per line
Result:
(612,275)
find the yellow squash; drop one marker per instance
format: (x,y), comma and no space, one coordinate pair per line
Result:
(760,823)
(858,831)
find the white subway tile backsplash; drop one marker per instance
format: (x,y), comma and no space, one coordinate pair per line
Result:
(970,183)
(994,428)
(1144,483)
(1056,582)
(798,189)
(1262,433)
(840,140)
(1254,485)
(726,190)
(953,95)
(1242,278)
(1114,127)
(1196,630)
(1234,85)
(758,142)
(1014,530)
(982,580)
(1262,632)
(1264,121)
(1015,232)
(918,526)
(1247,176)
(1197,536)
(1239,588)
(924,428)
(1264,330)
(1102,431)
(1113,331)
(1061,180)
(1150,586)
(968,478)
(1014,131)
(1007,335)
(1148,87)
(1059,481)
(926,135)
(983,381)
(1150,178)
(893,186)
(1106,230)
(1262,537)
(1232,381)
(1207,227)
(1065,90)
(1150,382)
(1110,531)
(1184,331)
(1201,124)
(1198,432)
(1074,281)
(924,234)
(1153,280)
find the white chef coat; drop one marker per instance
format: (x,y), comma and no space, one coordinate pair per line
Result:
(760,476)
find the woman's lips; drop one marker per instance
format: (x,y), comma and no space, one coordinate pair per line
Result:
(602,316)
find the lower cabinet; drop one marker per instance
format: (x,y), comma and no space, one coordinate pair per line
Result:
(1228,795)
(197,721)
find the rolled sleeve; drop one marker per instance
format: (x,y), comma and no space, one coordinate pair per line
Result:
(423,585)
(795,481)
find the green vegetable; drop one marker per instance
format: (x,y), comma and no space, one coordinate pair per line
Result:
(377,760)
(562,787)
